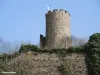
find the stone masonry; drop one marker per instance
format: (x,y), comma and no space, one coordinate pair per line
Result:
(48,63)
(57,29)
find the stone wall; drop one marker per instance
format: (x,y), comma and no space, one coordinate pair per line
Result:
(57,28)
(76,62)
(42,41)
(47,64)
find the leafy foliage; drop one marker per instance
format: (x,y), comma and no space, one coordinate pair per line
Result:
(28,47)
(93,54)
(65,69)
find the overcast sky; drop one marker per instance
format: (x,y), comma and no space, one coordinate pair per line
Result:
(25,19)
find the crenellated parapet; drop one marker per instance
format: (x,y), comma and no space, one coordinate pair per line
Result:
(61,11)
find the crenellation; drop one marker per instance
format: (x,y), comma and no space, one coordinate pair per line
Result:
(49,12)
(57,11)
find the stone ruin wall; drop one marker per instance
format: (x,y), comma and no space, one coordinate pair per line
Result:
(47,64)
(42,41)
(77,62)
(57,28)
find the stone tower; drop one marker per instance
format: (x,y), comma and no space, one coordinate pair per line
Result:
(57,30)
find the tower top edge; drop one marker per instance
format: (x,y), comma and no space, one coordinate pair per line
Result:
(57,10)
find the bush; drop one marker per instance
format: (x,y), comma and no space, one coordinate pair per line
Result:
(28,47)
(93,54)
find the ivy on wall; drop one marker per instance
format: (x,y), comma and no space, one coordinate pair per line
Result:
(66,69)
(92,49)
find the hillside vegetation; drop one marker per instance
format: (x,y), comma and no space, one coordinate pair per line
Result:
(91,48)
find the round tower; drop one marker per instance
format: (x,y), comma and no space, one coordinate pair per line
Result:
(57,29)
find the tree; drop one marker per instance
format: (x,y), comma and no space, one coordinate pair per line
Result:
(8,47)
(78,41)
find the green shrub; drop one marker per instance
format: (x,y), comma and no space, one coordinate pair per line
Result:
(28,47)
(92,49)
(66,69)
